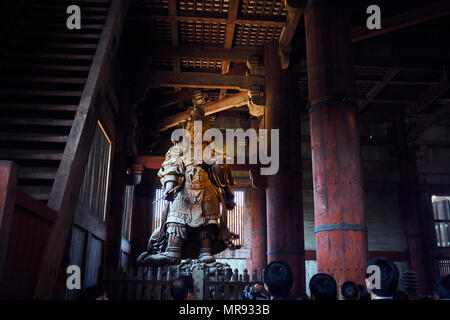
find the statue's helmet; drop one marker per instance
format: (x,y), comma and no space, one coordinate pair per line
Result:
(197,113)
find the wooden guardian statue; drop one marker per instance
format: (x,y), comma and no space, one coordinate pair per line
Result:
(195,223)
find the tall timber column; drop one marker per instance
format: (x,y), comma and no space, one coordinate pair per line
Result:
(413,220)
(341,234)
(258,252)
(120,163)
(285,239)
(142,215)
(258,213)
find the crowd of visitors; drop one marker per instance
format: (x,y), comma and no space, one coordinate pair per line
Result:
(278,282)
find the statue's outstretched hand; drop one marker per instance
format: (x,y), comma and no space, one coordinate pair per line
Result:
(170,188)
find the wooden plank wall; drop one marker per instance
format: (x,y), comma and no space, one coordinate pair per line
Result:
(23,237)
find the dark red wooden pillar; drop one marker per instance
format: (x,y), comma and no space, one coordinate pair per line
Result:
(341,237)
(141,227)
(419,260)
(118,184)
(285,238)
(258,252)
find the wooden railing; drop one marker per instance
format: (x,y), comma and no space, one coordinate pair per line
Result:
(25,226)
(154,283)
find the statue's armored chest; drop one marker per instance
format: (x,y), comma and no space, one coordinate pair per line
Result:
(197,201)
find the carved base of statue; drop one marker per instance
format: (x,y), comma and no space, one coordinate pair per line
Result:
(183,242)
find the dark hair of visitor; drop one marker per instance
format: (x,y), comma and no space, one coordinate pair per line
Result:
(363,293)
(349,290)
(443,287)
(389,276)
(93,293)
(278,278)
(323,287)
(181,287)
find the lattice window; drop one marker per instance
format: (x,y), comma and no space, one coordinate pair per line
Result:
(94,190)
(262,8)
(158,209)
(159,63)
(443,267)
(204,8)
(236,216)
(205,32)
(128,212)
(255,35)
(158,30)
(204,65)
(441,215)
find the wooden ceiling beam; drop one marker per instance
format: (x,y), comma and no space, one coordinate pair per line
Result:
(235,100)
(223,93)
(248,20)
(225,67)
(377,88)
(232,15)
(192,80)
(229,32)
(292,19)
(173,22)
(177,97)
(155,163)
(428,97)
(433,119)
(210,52)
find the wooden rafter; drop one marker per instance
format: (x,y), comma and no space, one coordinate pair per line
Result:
(210,52)
(270,22)
(173,22)
(229,33)
(195,80)
(177,97)
(435,118)
(232,15)
(377,88)
(292,19)
(225,67)
(428,97)
(223,93)
(236,100)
